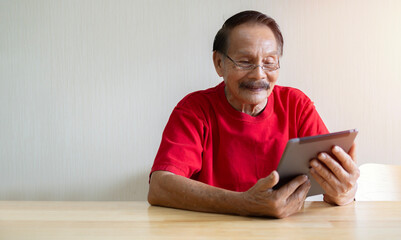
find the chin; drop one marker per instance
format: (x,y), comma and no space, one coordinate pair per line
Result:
(256,99)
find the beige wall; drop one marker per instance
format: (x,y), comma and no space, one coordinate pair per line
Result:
(86,87)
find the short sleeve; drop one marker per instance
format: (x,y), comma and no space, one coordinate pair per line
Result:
(180,151)
(310,123)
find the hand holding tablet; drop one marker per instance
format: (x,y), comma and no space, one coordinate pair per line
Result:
(299,151)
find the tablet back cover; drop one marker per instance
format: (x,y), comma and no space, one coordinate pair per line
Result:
(299,151)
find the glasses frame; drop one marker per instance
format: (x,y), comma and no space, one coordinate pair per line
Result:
(253,66)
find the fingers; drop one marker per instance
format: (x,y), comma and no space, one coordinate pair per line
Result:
(263,200)
(329,169)
(348,162)
(325,184)
(300,193)
(268,182)
(338,175)
(352,152)
(330,174)
(343,168)
(294,202)
(288,189)
(345,160)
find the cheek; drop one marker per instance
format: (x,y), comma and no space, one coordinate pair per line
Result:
(234,77)
(272,77)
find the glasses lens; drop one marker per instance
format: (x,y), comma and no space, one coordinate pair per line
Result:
(244,65)
(270,67)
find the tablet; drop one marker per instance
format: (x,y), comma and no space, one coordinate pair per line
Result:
(299,151)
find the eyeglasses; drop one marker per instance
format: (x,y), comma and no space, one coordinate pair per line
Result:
(244,65)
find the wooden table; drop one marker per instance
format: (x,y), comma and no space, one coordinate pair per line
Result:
(138,220)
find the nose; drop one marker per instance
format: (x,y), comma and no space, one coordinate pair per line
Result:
(257,73)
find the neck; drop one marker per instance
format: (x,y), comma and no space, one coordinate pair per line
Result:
(250,109)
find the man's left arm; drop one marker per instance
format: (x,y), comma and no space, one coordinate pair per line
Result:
(338,176)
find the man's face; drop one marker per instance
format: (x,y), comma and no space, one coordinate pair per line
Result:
(256,44)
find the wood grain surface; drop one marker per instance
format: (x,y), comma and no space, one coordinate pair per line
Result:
(138,220)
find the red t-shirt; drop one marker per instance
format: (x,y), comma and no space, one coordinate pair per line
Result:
(207,140)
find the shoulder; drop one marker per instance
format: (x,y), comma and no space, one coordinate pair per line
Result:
(290,95)
(199,98)
(200,102)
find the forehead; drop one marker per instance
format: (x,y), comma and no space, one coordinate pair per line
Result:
(252,38)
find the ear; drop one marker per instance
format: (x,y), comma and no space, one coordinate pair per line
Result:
(218,63)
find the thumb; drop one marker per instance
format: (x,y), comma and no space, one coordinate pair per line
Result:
(268,182)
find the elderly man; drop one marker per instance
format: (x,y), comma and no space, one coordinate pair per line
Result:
(221,146)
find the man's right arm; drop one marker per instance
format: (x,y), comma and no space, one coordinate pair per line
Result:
(170,190)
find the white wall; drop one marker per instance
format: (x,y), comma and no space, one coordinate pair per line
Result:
(86,87)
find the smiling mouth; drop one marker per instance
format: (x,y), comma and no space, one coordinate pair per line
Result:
(256,89)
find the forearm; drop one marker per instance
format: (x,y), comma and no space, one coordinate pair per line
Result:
(167,189)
